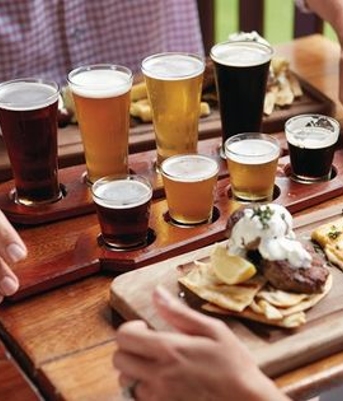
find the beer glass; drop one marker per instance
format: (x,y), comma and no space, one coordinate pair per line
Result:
(28,120)
(311,142)
(190,182)
(123,207)
(241,73)
(252,162)
(102,100)
(174,84)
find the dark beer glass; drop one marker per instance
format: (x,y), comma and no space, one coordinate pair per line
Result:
(241,73)
(123,207)
(28,121)
(312,140)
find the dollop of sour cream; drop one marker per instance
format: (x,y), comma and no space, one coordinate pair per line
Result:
(272,226)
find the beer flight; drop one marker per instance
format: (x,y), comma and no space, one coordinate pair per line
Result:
(101,93)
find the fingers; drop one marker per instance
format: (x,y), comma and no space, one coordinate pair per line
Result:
(12,247)
(9,283)
(185,319)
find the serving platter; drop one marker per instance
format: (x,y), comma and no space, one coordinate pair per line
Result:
(276,350)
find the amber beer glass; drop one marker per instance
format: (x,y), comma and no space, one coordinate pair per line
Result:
(123,208)
(28,120)
(174,83)
(102,100)
(190,182)
(241,73)
(252,162)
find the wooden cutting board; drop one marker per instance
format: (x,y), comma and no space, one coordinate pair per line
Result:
(275,350)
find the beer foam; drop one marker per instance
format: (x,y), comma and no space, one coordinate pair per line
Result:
(190,168)
(100,83)
(241,54)
(312,138)
(121,194)
(172,66)
(252,151)
(21,95)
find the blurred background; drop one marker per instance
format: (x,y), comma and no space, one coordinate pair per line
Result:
(278,20)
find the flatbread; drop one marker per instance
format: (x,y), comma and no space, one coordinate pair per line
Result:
(330,238)
(202,281)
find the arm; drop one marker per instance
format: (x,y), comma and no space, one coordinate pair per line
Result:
(201,360)
(332,12)
(12,249)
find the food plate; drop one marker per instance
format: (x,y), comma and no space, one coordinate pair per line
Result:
(275,350)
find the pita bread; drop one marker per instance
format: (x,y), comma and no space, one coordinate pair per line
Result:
(202,281)
(330,238)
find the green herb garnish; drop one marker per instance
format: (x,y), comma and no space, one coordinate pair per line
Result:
(264,215)
(334,233)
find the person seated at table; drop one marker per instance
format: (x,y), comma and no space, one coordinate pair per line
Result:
(12,250)
(201,360)
(330,11)
(49,38)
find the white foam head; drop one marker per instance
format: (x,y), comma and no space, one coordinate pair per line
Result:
(121,193)
(173,66)
(312,131)
(27,94)
(189,168)
(241,54)
(97,82)
(252,151)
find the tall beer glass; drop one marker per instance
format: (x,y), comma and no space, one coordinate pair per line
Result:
(174,83)
(102,100)
(28,120)
(241,73)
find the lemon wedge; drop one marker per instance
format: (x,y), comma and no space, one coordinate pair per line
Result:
(230,269)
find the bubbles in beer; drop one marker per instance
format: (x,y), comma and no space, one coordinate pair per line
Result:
(122,194)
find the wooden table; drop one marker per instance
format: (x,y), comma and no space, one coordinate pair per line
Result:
(59,344)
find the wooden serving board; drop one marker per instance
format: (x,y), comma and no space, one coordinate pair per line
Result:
(275,350)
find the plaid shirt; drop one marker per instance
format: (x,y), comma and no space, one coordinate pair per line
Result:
(47,38)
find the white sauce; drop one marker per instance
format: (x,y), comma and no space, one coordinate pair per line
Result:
(277,238)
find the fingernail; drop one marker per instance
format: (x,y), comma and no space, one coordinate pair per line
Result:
(8,285)
(15,252)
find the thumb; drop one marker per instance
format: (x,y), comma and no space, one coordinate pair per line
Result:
(181,317)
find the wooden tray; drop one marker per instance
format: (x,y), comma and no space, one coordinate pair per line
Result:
(166,240)
(275,350)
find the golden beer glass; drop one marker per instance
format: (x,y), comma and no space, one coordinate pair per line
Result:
(190,182)
(174,84)
(101,95)
(252,162)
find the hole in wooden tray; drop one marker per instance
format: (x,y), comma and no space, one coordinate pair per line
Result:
(276,194)
(288,173)
(151,236)
(214,218)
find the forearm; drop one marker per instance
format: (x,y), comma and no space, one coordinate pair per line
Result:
(331,11)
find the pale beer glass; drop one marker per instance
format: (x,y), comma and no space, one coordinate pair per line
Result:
(102,101)
(312,140)
(174,84)
(252,160)
(190,183)
(241,73)
(28,120)
(123,208)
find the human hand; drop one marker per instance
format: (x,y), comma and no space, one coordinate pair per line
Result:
(201,360)
(12,250)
